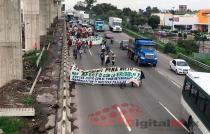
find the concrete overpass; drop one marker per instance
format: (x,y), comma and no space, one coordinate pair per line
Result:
(38,16)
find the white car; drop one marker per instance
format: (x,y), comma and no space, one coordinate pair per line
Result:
(179,66)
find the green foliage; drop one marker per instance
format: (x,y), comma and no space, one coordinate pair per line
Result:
(203,38)
(28,100)
(80,6)
(126,11)
(196,31)
(180,35)
(165,27)
(32,53)
(44,56)
(170,48)
(89,3)
(197,37)
(10,125)
(153,21)
(185,36)
(189,45)
(175,31)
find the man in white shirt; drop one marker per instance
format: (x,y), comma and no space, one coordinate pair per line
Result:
(103,47)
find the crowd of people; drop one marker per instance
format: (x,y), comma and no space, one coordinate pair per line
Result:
(80,47)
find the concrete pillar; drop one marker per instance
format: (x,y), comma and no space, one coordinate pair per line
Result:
(31,14)
(42,18)
(59,9)
(56,10)
(11,66)
(51,11)
(47,10)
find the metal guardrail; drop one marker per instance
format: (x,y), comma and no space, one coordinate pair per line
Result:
(40,56)
(204,66)
(17,112)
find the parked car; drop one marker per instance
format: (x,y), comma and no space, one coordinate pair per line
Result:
(180,66)
(108,35)
(208,37)
(124,44)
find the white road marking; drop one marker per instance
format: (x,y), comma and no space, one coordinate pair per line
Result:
(161,73)
(90,52)
(174,116)
(176,84)
(123,117)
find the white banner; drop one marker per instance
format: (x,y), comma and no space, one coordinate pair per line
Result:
(112,75)
(96,40)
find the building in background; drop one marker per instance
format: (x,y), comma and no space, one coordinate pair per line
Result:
(198,21)
(182,8)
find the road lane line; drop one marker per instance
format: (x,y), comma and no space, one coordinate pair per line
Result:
(174,116)
(90,52)
(123,117)
(176,84)
(161,73)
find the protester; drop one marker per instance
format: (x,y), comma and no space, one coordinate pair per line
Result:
(142,77)
(103,47)
(102,56)
(35,46)
(107,60)
(91,43)
(75,51)
(80,53)
(113,58)
(107,49)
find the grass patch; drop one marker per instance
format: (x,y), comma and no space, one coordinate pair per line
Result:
(44,56)
(10,125)
(47,38)
(32,53)
(29,100)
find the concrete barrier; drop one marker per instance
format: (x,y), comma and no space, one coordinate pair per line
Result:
(17,112)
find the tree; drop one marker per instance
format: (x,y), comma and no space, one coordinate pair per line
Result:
(189,45)
(89,3)
(126,11)
(153,21)
(203,38)
(197,38)
(141,11)
(180,35)
(185,36)
(79,6)
(141,20)
(170,48)
(133,16)
(155,10)
(148,11)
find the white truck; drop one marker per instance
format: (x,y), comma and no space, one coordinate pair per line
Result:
(115,24)
(79,16)
(85,19)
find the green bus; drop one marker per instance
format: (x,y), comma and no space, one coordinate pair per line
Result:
(195,102)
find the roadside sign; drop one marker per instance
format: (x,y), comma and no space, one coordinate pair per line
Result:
(128,20)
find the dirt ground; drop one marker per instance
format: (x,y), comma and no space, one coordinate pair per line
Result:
(45,92)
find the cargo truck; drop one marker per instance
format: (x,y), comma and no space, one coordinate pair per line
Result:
(70,17)
(142,51)
(99,25)
(85,19)
(115,24)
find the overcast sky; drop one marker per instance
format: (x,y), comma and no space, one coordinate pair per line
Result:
(142,4)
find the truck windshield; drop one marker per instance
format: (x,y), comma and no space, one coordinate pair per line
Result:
(99,22)
(147,47)
(116,24)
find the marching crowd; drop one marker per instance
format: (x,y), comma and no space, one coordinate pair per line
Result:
(80,47)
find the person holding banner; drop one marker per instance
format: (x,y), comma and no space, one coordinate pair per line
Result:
(102,56)
(141,78)
(113,58)
(107,60)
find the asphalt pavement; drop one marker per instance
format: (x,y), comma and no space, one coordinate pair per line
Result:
(148,109)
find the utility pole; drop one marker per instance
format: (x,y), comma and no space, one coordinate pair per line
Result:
(173,20)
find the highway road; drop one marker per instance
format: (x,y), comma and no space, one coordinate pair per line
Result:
(148,109)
